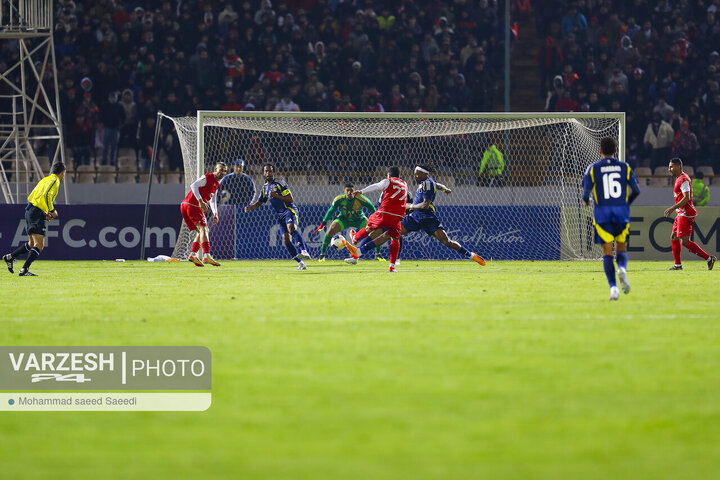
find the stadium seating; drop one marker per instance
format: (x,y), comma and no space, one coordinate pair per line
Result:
(643,174)
(85,174)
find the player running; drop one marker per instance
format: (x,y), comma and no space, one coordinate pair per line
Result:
(202,193)
(388,215)
(613,186)
(40,209)
(686,213)
(282,202)
(351,216)
(422,216)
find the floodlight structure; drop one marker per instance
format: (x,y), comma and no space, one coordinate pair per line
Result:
(29,99)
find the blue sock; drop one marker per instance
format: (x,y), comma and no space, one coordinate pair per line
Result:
(293,252)
(609,270)
(622,260)
(298,239)
(366,245)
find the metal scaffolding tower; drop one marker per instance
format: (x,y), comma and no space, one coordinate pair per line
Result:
(29,100)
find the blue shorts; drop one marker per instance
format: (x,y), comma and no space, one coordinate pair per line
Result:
(611,231)
(428,224)
(35,218)
(288,216)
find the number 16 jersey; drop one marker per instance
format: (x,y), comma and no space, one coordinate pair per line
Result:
(611,182)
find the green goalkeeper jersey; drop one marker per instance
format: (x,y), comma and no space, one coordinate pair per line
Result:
(350,209)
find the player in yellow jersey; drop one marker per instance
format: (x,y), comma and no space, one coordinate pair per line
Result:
(40,208)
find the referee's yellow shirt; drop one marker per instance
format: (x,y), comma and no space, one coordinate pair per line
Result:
(44,194)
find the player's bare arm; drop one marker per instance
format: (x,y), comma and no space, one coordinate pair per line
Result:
(685,200)
(443,188)
(254,206)
(419,206)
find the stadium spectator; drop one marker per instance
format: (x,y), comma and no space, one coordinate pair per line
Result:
(685,145)
(548,58)
(81,140)
(128,130)
(659,136)
(112,116)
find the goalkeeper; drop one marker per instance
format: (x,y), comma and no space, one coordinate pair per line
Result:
(351,215)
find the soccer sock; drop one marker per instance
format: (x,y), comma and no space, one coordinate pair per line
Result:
(293,251)
(622,260)
(206,247)
(360,234)
(464,252)
(676,249)
(394,250)
(366,245)
(299,241)
(609,269)
(195,247)
(697,250)
(22,250)
(325,244)
(34,252)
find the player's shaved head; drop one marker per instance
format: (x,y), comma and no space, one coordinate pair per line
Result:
(270,166)
(608,146)
(676,161)
(394,172)
(349,185)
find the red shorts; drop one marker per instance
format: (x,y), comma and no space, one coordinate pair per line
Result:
(682,226)
(193,216)
(387,221)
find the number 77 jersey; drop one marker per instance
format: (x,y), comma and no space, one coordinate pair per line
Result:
(394,197)
(612,185)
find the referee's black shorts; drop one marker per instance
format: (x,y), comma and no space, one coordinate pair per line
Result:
(35,219)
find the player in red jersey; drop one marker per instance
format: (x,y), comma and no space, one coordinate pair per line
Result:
(193,209)
(388,215)
(686,212)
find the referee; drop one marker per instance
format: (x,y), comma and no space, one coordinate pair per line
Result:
(39,209)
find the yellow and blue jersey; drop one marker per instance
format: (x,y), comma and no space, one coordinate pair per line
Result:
(613,186)
(425,191)
(281,188)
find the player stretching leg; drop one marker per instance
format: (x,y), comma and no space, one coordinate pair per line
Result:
(608,180)
(351,216)
(423,217)
(39,209)
(282,202)
(686,213)
(388,215)
(195,206)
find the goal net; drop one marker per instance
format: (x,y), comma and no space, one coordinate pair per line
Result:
(525,206)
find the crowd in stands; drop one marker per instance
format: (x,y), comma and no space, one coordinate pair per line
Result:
(658,61)
(119,62)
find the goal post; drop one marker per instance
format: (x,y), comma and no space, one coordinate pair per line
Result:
(525,206)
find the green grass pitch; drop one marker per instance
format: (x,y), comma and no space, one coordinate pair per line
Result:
(444,370)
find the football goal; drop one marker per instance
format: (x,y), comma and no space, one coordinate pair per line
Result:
(515,178)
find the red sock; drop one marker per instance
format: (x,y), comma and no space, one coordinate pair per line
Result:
(359,235)
(394,250)
(206,247)
(195,247)
(697,250)
(676,248)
